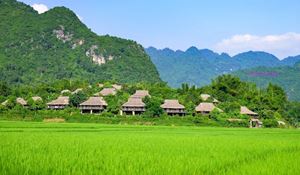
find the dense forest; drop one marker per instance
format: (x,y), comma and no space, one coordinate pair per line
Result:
(270,103)
(41,48)
(288,77)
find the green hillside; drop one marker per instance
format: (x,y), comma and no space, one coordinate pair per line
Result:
(286,77)
(57,45)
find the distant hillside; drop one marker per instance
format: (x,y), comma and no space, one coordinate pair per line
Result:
(56,45)
(198,67)
(286,77)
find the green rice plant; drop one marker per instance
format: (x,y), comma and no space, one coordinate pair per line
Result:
(72,148)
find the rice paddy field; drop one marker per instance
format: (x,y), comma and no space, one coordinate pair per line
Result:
(70,148)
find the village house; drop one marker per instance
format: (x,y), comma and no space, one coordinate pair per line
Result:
(108,91)
(245,111)
(36,98)
(133,106)
(22,102)
(173,107)
(215,101)
(254,121)
(93,105)
(117,87)
(77,90)
(281,123)
(206,108)
(4,103)
(59,103)
(206,97)
(100,85)
(140,94)
(66,91)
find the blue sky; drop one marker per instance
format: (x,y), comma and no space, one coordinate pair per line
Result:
(225,26)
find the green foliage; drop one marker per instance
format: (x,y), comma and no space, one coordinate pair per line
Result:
(270,123)
(31,52)
(115,102)
(4,89)
(270,103)
(77,98)
(285,77)
(292,113)
(36,105)
(153,108)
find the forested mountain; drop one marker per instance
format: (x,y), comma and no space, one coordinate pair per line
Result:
(37,48)
(198,67)
(287,77)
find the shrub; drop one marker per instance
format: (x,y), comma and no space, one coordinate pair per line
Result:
(270,123)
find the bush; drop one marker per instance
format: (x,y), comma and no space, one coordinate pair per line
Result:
(77,98)
(267,114)
(153,108)
(270,123)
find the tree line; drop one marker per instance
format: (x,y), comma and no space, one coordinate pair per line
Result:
(270,103)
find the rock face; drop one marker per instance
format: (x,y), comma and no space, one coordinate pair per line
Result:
(62,35)
(97,58)
(55,45)
(79,42)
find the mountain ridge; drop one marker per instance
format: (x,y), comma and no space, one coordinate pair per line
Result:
(254,66)
(152,48)
(196,67)
(37,48)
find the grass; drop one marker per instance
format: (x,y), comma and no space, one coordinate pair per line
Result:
(71,148)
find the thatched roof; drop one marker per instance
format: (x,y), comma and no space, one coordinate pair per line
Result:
(63,100)
(21,101)
(172,104)
(94,101)
(216,101)
(134,102)
(140,94)
(77,90)
(108,91)
(205,97)
(4,103)
(65,91)
(117,87)
(36,98)
(207,107)
(246,111)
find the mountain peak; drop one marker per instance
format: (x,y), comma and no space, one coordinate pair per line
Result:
(256,55)
(61,12)
(192,50)
(57,45)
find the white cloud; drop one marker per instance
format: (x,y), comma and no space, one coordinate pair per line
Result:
(283,45)
(40,8)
